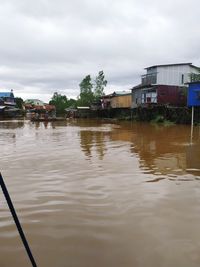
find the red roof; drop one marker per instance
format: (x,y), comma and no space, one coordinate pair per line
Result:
(50,107)
(46,107)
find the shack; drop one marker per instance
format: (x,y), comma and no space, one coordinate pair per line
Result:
(121,99)
(118,99)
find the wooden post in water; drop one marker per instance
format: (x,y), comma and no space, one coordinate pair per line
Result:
(14,214)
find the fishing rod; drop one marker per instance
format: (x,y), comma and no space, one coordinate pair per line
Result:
(14,214)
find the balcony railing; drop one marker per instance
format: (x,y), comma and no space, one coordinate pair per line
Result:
(149,78)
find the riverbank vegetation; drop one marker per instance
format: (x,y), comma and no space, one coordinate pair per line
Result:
(90,92)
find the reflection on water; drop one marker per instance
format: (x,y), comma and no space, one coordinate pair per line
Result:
(161,150)
(8,124)
(90,139)
(95,193)
(165,150)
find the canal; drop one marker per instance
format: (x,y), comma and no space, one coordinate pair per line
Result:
(98,193)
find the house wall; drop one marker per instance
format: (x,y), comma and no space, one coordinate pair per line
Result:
(105,102)
(9,101)
(123,101)
(172,75)
(136,98)
(166,95)
(172,95)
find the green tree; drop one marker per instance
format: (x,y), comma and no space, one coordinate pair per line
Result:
(60,102)
(19,102)
(100,84)
(194,77)
(86,95)
(71,103)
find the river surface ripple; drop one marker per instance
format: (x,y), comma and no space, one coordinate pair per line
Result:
(94,193)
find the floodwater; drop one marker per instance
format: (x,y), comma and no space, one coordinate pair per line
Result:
(101,194)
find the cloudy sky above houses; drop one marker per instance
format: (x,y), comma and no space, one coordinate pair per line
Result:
(49,45)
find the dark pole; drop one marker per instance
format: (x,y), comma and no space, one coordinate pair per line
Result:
(19,228)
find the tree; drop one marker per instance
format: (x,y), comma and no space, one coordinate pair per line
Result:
(71,103)
(60,102)
(100,83)
(19,102)
(194,77)
(86,95)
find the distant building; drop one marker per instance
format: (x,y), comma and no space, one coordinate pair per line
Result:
(35,105)
(7,104)
(36,108)
(121,99)
(7,99)
(33,102)
(164,85)
(118,99)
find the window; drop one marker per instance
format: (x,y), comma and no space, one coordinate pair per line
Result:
(182,78)
(143,98)
(149,97)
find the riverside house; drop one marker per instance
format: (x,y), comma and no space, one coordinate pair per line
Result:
(121,99)
(163,85)
(117,100)
(7,104)
(33,106)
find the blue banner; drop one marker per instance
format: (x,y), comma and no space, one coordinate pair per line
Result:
(193,94)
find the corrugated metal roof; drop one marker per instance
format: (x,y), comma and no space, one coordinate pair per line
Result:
(176,64)
(5,94)
(119,93)
(116,93)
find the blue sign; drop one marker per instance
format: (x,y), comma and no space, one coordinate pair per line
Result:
(193,98)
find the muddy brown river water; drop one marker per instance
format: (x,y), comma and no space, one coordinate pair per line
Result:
(101,194)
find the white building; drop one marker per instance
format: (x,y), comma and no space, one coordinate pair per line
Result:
(169,74)
(164,85)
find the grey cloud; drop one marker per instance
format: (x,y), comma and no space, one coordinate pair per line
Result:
(51,45)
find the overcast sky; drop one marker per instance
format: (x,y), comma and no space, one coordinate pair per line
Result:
(51,45)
